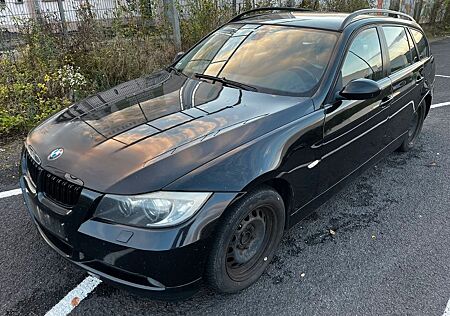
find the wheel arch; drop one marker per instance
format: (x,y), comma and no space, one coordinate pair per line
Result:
(281,186)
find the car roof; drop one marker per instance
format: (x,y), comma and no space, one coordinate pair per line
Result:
(328,21)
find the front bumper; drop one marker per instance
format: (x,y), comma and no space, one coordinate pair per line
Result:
(161,263)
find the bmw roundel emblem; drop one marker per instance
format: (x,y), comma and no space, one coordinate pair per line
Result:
(55,154)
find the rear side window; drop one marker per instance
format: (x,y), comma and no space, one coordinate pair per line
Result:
(422,44)
(412,49)
(363,58)
(398,47)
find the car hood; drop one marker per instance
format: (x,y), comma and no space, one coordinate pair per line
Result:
(144,134)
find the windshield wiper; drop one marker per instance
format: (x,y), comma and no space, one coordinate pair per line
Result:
(176,70)
(226,81)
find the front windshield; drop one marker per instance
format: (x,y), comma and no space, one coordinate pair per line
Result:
(274,59)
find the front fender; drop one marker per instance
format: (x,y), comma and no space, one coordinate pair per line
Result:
(278,153)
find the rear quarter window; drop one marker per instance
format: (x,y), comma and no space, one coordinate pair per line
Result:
(412,48)
(421,42)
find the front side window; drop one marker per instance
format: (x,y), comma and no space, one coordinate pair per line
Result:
(273,59)
(363,59)
(398,47)
(421,43)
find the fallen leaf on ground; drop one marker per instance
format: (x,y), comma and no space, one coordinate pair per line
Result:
(75,301)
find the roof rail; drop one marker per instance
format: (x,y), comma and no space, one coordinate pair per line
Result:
(241,15)
(353,15)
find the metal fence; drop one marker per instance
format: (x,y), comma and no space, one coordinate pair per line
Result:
(14,13)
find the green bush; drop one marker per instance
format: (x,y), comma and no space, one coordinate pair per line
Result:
(29,94)
(109,63)
(50,71)
(200,17)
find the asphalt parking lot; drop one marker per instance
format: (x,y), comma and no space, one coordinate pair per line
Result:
(388,251)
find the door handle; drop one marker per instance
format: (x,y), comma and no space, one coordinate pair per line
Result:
(386,101)
(420,76)
(399,85)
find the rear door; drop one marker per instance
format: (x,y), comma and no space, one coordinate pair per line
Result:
(406,74)
(425,56)
(354,130)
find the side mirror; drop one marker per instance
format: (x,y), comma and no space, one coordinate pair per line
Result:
(360,89)
(178,56)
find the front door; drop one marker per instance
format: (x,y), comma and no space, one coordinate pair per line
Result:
(354,130)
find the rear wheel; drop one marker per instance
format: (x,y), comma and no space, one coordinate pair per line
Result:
(246,241)
(415,126)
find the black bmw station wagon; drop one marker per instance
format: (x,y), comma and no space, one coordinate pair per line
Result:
(192,174)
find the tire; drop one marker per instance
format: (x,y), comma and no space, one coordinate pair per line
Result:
(414,129)
(246,241)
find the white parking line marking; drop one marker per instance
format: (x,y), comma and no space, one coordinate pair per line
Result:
(442,76)
(438,105)
(74,297)
(447,309)
(10,193)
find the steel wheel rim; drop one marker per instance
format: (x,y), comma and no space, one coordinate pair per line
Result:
(249,242)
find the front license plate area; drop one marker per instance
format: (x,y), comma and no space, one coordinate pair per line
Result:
(50,223)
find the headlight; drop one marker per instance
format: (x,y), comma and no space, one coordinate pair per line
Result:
(158,209)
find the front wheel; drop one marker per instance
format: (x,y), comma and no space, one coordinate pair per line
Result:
(246,241)
(415,126)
